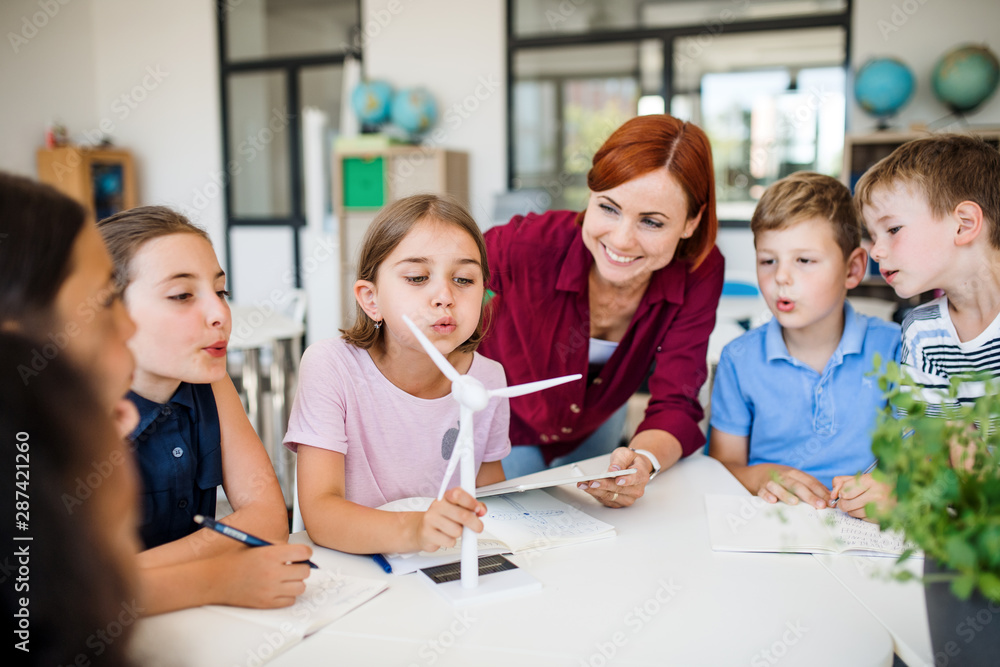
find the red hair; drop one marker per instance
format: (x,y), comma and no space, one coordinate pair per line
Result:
(646,143)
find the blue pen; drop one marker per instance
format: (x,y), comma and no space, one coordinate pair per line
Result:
(238,534)
(383,563)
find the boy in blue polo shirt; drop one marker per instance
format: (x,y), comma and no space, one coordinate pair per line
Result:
(792,406)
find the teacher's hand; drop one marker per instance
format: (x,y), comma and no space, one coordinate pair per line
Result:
(621,491)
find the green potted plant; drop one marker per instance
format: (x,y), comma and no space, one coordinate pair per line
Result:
(946,477)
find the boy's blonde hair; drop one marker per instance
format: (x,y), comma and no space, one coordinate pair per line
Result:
(805,195)
(387,231)
(947,169)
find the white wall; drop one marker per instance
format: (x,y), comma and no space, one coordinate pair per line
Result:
(919,32)
(145,73)
(157,81)
(456,49)
(79,63)
(49,76)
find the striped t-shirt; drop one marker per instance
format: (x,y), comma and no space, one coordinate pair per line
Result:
(932,354)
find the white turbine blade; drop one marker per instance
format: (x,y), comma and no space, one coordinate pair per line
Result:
(463,448)
(438,358)
(456,456)
(529,387)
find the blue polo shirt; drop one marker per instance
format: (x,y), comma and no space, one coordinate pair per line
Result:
(179,449)
(820,423)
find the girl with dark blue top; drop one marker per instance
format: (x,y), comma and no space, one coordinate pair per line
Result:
(193,433)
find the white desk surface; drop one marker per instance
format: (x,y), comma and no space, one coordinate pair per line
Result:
(254,327)
(900,606)
(656,594)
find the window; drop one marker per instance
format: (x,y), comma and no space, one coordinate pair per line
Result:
(276,57)
(765,80)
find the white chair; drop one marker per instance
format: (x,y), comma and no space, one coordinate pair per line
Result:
(265,328)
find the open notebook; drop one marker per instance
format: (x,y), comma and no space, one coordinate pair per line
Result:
(218,635)
(514,523)
(748,523)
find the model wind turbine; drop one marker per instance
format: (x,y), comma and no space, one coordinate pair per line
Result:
(472,396)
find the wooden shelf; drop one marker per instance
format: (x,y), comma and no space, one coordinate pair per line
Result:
(861,151)
(381,176)
(76,171)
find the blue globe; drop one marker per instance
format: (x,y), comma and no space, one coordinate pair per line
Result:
(372,101)
(965,77)
(883,85)
(414,110)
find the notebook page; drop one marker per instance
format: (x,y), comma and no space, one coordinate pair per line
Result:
(537,520)
(749,523)
(328,596)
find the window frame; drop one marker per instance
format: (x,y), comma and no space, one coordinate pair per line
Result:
(290,67)
(667,35)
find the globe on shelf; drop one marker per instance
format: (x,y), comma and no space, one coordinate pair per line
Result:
(414,111)
(883,86)
(965,77)
(372,102)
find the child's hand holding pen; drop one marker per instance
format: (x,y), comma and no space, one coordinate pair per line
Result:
(856,491)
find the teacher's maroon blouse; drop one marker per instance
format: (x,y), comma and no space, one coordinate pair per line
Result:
(540,326)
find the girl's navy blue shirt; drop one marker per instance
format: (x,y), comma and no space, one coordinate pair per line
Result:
(179,449)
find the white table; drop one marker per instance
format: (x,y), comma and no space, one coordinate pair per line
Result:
(656,594)
(899,606)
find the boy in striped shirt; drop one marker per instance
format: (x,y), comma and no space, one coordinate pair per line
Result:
(932,208)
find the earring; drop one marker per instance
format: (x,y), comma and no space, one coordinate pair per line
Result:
(378,324)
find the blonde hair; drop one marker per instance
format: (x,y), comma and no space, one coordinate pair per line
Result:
(387,231)
(947,169)
(126,232)
(805,195)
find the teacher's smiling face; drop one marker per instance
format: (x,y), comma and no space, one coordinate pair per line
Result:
(634,229)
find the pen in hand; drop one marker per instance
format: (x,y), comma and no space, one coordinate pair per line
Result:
(867,470)
(238,535)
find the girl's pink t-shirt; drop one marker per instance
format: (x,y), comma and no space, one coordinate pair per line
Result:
(395,445)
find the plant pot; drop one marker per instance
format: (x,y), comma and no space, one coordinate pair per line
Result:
(963,632)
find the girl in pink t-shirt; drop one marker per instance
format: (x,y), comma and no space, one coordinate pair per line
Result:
(373,420)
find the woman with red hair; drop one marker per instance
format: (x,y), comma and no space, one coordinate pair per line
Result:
(622,291)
